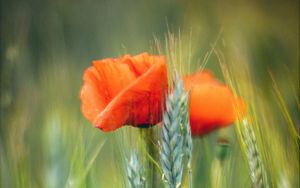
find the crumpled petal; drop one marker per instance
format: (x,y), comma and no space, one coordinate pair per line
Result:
(93,100)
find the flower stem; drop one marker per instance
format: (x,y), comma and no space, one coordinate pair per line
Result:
(151,153)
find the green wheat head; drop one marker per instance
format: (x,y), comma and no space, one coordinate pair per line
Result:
(176,139)
(258,173)
(188,144)
(135,172)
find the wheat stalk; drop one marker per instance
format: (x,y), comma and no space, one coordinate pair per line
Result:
(135,172)
(258,174)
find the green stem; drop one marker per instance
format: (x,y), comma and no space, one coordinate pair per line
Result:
(190,178)
(151,153)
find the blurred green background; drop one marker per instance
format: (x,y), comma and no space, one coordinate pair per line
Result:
(46,44)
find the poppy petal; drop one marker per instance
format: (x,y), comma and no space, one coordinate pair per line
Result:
(139,103)
(113,77)
(212,104)
(93,102)
(199,77)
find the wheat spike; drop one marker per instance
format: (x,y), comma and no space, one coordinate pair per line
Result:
(188,144)
(135,172)
(172,150)
(258,174)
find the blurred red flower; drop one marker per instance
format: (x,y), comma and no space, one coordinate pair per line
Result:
(212,104)
(124,91)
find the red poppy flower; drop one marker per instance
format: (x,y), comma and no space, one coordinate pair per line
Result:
(212,104)
(124,91)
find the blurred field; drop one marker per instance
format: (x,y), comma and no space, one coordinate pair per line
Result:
(45,46)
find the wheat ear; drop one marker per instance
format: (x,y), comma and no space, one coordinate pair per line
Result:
(172,150)
(135,172)
(258,174)
(188,144)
